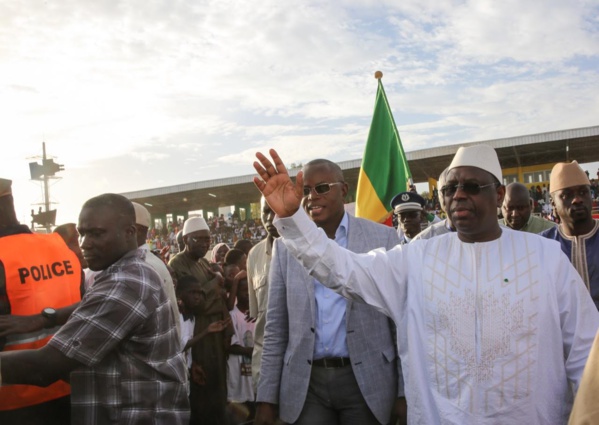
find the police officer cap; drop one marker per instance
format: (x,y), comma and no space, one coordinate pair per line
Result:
(5,187)
(407,201)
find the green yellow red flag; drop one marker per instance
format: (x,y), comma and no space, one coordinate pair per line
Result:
(384,171)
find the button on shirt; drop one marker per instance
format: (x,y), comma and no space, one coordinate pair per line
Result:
(330,311)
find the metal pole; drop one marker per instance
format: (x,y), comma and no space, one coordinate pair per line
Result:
(46,189)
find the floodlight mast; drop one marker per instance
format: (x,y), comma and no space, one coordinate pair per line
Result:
(44,173)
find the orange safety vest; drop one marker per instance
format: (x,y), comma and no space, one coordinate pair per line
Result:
(41,271)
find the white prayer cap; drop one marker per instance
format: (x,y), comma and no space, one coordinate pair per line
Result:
(479,156)
(194,224)
(142,215)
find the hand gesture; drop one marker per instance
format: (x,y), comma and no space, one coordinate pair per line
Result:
(219,325)
(249,318)
(282,195)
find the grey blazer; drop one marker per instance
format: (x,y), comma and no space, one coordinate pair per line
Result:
(289,333)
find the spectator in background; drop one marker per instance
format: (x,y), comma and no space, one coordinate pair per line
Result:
(218,253)
(142,224)
(68,233)
(244,245)
(189,294)
(442,227)
(237,257)
(208,401)
(239,377)
(258,266)
(578,232)
(409,208)
(517,211)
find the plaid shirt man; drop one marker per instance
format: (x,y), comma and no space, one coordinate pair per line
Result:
(124,333)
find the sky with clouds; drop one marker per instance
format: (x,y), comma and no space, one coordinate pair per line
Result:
(133,94)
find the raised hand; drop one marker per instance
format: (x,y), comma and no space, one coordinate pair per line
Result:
(219,325)
(274,182)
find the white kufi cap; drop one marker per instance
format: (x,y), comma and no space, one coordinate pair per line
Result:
(194,224)
(479,156)
(142,215)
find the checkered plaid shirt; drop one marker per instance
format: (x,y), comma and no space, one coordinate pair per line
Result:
(124,334)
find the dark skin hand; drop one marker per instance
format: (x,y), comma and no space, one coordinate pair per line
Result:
(213,327)
(266,414)
(11,324)
(39,367)
(283,196)
(198,376)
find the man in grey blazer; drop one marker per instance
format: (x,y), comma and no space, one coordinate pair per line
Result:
(327,360)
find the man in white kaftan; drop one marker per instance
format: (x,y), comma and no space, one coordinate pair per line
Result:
(493,325)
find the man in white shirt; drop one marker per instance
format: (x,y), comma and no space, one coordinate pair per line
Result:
(493,324)
(142,224)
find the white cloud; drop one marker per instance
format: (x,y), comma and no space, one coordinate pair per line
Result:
(120,89)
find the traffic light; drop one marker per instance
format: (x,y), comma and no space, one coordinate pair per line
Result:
(48,168)
(44,218)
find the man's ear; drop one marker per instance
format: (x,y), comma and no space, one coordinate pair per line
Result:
(500,195)
(344,189)
(131,231)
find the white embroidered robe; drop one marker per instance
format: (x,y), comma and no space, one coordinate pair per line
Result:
(488,333)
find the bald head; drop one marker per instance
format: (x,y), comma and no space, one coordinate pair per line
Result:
(118,204)
(517,206)
(328,165)
(107,230)
(517,189)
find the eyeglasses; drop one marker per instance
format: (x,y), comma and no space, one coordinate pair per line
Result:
(469,188)
(320,189)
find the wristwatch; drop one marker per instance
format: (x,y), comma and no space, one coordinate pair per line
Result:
(50,314)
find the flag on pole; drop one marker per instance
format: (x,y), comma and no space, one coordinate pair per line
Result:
(384,171)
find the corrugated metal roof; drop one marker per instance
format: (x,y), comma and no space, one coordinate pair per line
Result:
(439,151)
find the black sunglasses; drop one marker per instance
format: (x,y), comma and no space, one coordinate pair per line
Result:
(469,188)
(320,189)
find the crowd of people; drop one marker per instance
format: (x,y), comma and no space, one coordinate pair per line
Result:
(312,317)
(223,230)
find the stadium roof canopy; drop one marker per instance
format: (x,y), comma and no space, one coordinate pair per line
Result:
(581,144)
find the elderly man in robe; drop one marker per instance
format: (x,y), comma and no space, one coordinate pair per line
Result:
(493,325)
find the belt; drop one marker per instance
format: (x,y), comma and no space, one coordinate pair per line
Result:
(331,362)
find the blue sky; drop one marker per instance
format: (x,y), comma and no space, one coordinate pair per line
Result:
(137,94)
